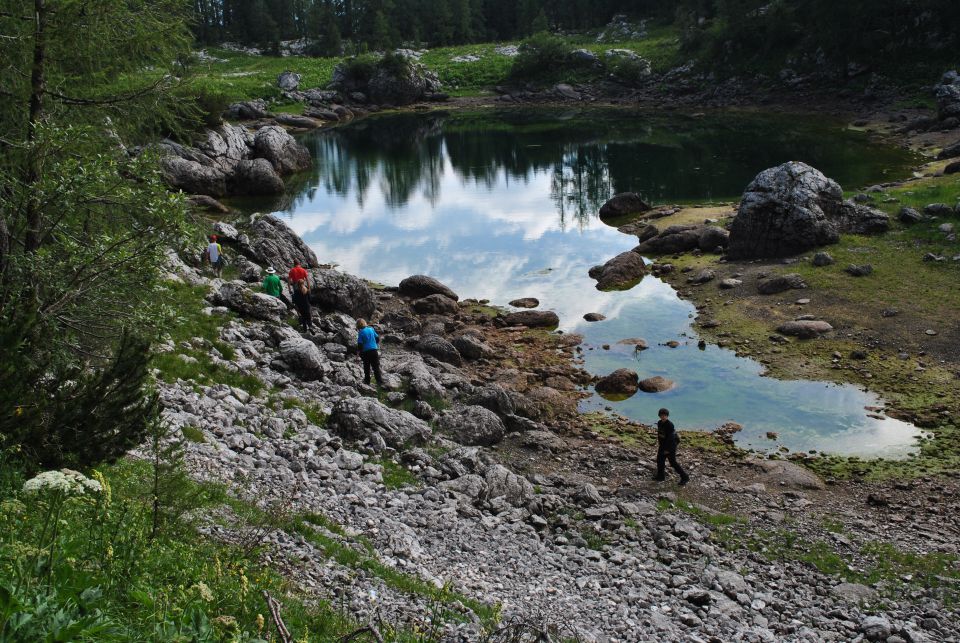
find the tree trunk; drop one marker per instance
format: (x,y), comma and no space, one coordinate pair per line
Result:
(34,160)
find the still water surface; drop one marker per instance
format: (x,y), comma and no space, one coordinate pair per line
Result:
(503,205)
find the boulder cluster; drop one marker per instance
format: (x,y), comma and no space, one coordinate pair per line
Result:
(232,160)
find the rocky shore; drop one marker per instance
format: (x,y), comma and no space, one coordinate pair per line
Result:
(472,471)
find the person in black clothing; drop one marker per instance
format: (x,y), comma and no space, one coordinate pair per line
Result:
(667,441)
(301,300)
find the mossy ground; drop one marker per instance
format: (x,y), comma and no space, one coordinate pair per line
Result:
(924,293)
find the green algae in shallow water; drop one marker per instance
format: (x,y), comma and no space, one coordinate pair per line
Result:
(484,201)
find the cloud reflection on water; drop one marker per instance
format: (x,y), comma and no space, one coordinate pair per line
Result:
(497,218)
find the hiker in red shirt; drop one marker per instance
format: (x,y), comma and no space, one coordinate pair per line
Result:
(298,274)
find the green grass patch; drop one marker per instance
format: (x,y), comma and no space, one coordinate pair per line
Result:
(193,434)
(102,574)
(361,558)
(187,324)
(395,475)
(315,414)
(716,519)
(880,564)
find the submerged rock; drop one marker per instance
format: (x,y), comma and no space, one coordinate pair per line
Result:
(656,384)
(622,381)
(620,273)
(532,319)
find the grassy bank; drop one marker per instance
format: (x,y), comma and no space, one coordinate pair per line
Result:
(239,76)
(915,372)
(115,565)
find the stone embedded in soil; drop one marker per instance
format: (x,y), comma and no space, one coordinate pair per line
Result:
(525,302)
(702,277)
(822,259)
(656,384)
(804,329)
(861,270)
(622,381)
(781,283)
(789,475)
(937,210)
(729,283)
(909,216)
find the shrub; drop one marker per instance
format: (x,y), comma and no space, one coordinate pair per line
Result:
(212,103)
(628,71)
(355,73)
(541,55)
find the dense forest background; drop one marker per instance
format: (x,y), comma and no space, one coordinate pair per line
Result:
(724,30)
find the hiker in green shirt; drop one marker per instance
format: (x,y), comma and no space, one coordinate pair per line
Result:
(274,287)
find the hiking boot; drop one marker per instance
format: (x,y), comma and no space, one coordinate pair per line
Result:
(684,481)
(658,478)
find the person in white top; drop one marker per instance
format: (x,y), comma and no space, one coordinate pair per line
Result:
(214,254)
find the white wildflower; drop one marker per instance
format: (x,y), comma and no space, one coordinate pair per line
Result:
(66,481)
(204,590)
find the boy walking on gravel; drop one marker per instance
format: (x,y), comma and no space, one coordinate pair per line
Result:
(667,441)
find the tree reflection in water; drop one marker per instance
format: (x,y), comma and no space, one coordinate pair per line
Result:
(589,155)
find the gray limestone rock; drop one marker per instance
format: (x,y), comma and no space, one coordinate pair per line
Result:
(473,426)
(304,358)
(236,296)
(332,290)
(780,283)
(418,286)
(360,417)
(285,153)
(274,243)
(435,304)
(623,204)
(532,319)
(620,273)
(472,348)
(804,329)
(784,211)
(503,483)
(440,348)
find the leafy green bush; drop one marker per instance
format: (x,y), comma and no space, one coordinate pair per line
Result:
(357,71)
(630,71)
(87,564)
(542,54)
(212,103)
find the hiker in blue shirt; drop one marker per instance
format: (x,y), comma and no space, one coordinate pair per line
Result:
(368,347)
